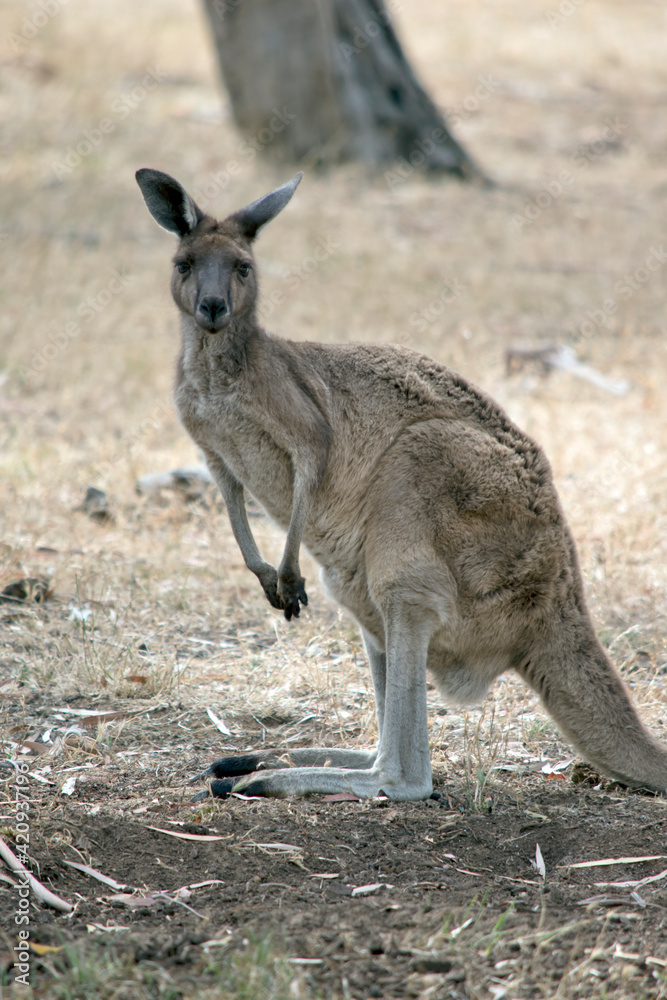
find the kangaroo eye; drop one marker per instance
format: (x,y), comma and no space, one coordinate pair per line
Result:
(243,269)
(183,266)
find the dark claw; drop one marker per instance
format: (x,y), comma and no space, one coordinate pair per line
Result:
(297,597)
(435,795)
(219,790)
(200,796)
(234,767)
(230,767)
(222,788)
(272,597)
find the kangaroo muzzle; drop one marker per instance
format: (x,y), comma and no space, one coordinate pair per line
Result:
(212,313)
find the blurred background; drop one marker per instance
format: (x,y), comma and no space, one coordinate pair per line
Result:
(492,193)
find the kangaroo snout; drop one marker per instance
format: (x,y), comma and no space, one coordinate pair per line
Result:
(213,312)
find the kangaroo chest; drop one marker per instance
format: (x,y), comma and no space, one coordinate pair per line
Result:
(218,421)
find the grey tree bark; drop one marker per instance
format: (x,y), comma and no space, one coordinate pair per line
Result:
(325,81)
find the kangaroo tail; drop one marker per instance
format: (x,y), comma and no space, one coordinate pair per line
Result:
(586,697)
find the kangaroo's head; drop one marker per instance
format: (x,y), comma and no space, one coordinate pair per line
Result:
(214,269)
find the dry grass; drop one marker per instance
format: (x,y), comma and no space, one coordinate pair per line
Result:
(164,578)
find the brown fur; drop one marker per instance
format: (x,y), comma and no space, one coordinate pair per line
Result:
(434,518)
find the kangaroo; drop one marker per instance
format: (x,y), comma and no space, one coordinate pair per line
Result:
(434,519)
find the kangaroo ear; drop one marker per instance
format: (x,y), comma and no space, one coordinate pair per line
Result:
(255,216)
(170,204)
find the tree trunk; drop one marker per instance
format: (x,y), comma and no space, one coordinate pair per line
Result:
(324,81)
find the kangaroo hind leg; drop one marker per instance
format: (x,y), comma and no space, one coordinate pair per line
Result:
(226,772)
(401,769)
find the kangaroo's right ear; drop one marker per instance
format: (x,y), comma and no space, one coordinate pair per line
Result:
(170,204)
(255,216)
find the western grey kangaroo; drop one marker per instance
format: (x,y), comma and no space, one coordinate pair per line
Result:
(434,519)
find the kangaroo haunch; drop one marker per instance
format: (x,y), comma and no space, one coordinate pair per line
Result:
(434,519)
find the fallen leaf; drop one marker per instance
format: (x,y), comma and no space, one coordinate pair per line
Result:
(551,770)
(370,890)
(341,797)
(615,861)
(41,892)
(87,713)
(603,900)
(218,723)
(539,862)
(205,837)
(276,847)
(41,778)
(93,872)
(104,928)
(94,720)
(45,949)
(632,884)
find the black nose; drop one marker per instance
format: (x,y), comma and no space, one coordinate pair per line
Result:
(212,308)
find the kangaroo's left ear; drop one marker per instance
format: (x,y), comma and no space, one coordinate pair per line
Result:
(255,216)
(168,202)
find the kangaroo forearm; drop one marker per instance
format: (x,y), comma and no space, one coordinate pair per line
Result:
(300,508)
(308,472)
(234,497)
(252,557)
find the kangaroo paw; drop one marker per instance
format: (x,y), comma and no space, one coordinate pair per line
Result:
(292,595)
(269,581)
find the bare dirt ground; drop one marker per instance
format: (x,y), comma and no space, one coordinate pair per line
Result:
(149,613)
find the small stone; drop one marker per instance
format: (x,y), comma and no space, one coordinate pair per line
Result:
(428,965)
